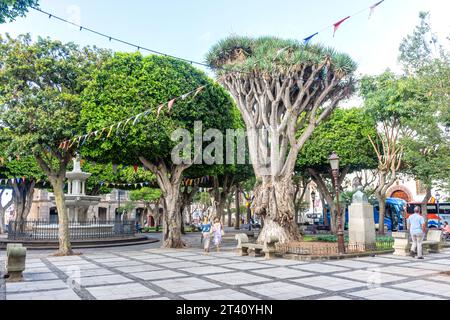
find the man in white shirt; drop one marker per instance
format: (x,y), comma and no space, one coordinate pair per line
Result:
(416,227)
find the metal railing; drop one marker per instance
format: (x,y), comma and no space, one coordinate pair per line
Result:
(326,249)
(78,230)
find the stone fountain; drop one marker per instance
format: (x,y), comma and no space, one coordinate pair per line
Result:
(76,199)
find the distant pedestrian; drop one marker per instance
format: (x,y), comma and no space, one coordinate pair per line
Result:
(416,227)
(206,234)
(217,233)
(446,230)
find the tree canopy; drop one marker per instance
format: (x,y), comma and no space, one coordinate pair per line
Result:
(11,9)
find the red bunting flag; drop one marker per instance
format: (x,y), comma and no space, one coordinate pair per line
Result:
(135,168)
(372,8)
(338,24)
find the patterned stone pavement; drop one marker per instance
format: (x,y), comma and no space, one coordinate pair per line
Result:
(160,274)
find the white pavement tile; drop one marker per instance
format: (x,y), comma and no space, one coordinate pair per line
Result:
(440,261)
(199,257)
(136,269)
(121,292)
(334,298)
(182,265)
(35,286)
(284,262)
(81,267)
(181,254)
(282,290)
(381,293)
(225,294)
(30,276)
(247,266)
(371,276)
(282,273)
(405,271)
(162,261)
(110,260)
(65,294)
(441,278)
(102,280)
(128,263)
(320,267)
(162,274)
(89,272)
(429,266)
(185,285)
(424,286)
(381,260)
(202,270)
(38,270)
(353,264)
(237,278)
(330,283)
(219,261)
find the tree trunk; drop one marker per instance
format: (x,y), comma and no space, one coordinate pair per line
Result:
(274,201)
(172,223)
(229,212)
(3,211)
(22,196)
(65,247)
(424,206)
(237,222)
(382,212)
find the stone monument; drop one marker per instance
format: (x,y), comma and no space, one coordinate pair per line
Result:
(361,223)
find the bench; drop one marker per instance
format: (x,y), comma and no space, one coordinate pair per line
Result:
(245,248)
(15,262)
(433,244)
(270,247)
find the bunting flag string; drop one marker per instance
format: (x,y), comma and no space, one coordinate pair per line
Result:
(195,182)
(81,140)
(139,47)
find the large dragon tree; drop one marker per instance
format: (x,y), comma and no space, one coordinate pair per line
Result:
(284,90)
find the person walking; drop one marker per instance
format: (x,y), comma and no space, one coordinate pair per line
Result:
(416,227)
(206,234)
(218,233)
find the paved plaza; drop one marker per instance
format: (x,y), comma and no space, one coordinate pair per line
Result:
(152,273)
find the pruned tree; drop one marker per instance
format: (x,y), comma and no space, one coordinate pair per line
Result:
(130,84)
(284,90)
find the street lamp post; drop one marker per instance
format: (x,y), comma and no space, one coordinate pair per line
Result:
(438,197)
(313,199)
(334,162)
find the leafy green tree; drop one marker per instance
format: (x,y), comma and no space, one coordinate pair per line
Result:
(426,152)
(395,103)
(283,87)
(11,9)
(347,133)
(129,84)
(40,103)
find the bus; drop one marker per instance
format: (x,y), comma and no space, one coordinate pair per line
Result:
(394,218)
(434,217)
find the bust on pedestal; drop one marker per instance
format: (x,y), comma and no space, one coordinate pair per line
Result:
(361,222)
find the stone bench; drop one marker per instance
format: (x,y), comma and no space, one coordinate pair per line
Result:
(270,248)
(245,248)
(15,262)
(433,244)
